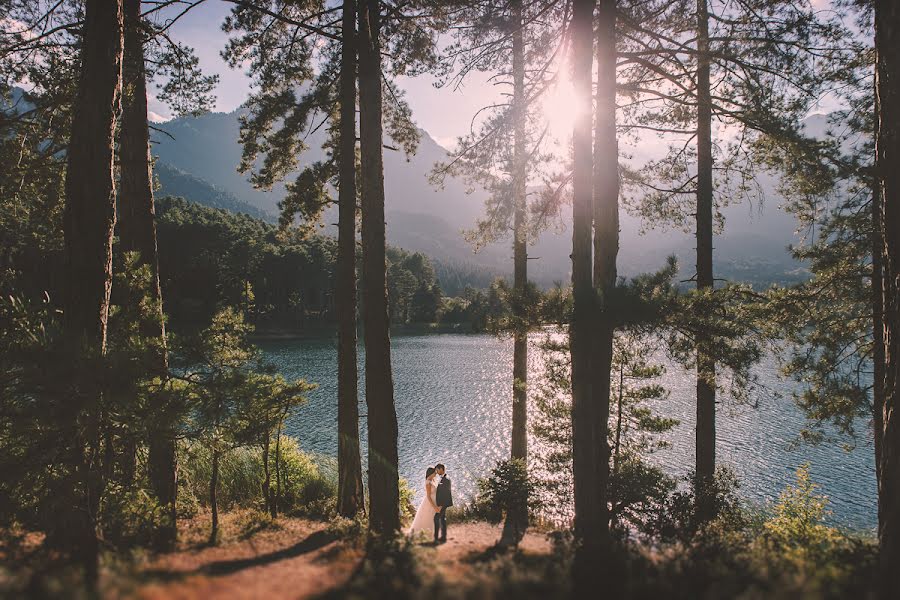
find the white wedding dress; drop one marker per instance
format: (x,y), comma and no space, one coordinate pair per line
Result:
(424,521)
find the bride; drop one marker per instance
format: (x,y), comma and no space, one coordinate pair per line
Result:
(424,520)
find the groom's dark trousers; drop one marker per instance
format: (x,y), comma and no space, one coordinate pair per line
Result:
(440,524)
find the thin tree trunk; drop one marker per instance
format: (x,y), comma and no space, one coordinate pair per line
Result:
(267,477)
(137,233)
(88,224)
(588,523)
(887,152)
(384,494)
(619,406)
(517,517)
(213,498)
(877,330)
(350,483)
(276,501)
(706,365)
(606,250)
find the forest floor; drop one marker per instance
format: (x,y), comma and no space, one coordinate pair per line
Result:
(292,558)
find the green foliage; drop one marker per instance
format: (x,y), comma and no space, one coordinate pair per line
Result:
(798,523)
(210,258)
(407,496)
(636,488)
(675,518)
(827,320)
(131,516)
(509,485)
(306,490)
(789,554)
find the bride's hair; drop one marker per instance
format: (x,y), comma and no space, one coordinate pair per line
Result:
(429,472)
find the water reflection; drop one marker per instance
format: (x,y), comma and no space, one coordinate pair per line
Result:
(453,405)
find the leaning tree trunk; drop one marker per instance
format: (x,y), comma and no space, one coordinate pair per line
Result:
(517,517)
(887,161)
(877,330)
(137,233)
(606,248)
(706,365)
(588,522)
(350,485)
(214,498)
(384,493)
(88,224)
(267,476)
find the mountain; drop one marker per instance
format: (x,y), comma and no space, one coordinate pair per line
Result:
(175,182)
(752,247)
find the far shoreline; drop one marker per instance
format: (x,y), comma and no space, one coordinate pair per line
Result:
(270,335)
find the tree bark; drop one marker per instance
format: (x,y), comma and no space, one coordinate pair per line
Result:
(516,521)
(267,477)
(887,162)
(350,485)
(88,224)
(213,498)
(276,500)
(706,365)
(877,329)
(137,233)
(606,249)
(384,493)
(617,446)
(587,522)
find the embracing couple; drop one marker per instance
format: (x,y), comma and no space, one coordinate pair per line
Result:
(433,509)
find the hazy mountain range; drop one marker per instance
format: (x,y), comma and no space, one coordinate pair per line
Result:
(198,157)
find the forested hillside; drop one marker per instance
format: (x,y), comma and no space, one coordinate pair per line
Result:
(284,281)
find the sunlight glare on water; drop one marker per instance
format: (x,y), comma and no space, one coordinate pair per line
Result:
(453,399)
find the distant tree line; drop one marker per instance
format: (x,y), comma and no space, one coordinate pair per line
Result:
(284,279)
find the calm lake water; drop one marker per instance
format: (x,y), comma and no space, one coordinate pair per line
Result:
(452,393)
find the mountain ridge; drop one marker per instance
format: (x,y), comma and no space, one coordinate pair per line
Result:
(431,220)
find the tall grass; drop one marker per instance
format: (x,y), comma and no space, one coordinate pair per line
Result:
(307,487)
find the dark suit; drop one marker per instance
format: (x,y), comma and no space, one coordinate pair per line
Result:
(444,499)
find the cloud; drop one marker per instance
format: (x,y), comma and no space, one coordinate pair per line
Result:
(155,117)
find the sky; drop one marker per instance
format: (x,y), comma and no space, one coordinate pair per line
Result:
(443,113)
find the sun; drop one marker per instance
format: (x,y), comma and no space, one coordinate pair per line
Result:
(561,108)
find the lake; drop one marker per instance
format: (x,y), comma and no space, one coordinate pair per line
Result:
(452,393)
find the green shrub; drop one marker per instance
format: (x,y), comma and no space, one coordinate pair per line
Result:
(130,517)
(407,501)
(508,485)
(674,518)
(304,488)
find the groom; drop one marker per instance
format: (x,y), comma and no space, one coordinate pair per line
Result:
(444,500)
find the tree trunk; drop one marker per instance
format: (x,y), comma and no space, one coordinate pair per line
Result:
(276,501)
(887,153)
(706,365)
(606,249)
(213,498)
(384,494)
(619,406)
(877,329)
(137,233)
(517,517)
(88,224)
(350,485)
(588,523)
(267,477)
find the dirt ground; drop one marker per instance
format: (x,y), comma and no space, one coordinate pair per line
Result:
(292,558)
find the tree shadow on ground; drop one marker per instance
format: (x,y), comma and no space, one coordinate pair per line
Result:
(311,543)
(488,554)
